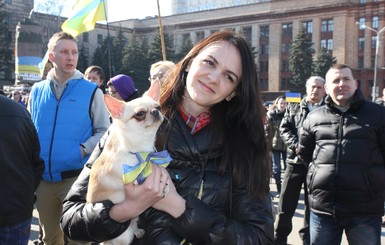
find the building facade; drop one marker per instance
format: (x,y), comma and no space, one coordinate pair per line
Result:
(270,27)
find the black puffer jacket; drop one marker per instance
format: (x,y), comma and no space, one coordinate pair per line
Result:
(224,215)
(346,150)
(291,125)
(20,164)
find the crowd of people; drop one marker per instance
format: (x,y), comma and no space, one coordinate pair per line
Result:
(224,146)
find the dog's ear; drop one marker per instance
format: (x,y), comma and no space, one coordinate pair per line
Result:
(114,106)
(154,91)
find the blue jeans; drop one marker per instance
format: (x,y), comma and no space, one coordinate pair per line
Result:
(276,160)
(359,230)
(17,234)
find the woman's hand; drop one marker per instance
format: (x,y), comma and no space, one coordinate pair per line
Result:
(172,203)
(141,197)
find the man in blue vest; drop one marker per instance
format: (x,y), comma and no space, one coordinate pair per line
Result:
(70,118)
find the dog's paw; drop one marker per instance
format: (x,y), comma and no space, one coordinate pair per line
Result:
(139,233)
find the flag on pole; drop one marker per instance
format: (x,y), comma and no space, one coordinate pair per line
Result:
(84,15)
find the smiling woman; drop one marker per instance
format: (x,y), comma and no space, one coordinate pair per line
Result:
(220,173)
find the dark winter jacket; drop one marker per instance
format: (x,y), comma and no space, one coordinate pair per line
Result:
(291,125)
(346,151)
(274,119)
(224,215)
(21,167)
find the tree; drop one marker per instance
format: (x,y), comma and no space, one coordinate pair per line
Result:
(83,59)
(118,44)
(6,64)
(186,47)
(101,57)
(135,62)
(323,62)
(52,7)
(155,51)
(301,60)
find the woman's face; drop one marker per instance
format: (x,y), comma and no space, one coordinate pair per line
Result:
(112,91)
(212,76)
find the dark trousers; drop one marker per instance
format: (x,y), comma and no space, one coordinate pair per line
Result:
(293,181)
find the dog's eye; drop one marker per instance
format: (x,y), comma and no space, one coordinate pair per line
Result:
(158,108)
(141,115)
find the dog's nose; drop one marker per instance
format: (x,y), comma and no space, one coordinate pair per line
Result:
(154,112)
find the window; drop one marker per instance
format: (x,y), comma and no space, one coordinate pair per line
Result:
(327,25)
(285,65)
(323,43)
(362,23)
(264,84)
(286,47)
(264,49)
(200,35)
(330,25)
(247,33)
(8,1)
(375,22)
(360,62)
(100,39)
(85,37)
(361,43)
(308,25)
(362,1)
(287,29)
(264,31)
(374,41)
(323,26)
(264,66)
(330,44)
(372,61)
(284,84)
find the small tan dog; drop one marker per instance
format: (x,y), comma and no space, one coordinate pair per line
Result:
(134,128)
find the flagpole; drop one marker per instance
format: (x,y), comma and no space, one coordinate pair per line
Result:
(110,63)
(161,33)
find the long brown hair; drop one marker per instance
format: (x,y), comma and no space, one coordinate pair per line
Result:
(238,122)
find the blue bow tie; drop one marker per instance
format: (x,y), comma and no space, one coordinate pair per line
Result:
(143,168)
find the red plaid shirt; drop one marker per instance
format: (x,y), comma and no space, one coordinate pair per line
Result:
(195,123)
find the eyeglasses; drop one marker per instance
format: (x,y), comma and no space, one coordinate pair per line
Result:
(156,76)
(111,92)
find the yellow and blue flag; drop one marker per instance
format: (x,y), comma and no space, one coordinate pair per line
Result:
(42,64)
(84,15)
(293,97)
(143,168)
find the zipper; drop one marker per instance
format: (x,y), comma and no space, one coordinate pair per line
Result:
(53,132)
(340,133)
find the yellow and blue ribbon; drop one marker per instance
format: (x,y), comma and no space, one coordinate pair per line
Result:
(143,168)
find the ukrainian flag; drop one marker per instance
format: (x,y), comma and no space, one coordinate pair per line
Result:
(84,15)
(293,97)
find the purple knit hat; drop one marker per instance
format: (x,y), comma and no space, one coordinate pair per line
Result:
(124,85)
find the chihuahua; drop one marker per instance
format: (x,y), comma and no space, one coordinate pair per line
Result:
(133,130)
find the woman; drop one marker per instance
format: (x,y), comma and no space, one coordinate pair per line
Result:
(122,87)
(219,193)
(278,146)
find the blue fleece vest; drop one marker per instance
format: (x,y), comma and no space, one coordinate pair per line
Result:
(62,125)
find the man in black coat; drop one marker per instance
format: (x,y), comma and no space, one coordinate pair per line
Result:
(20,171)
(295,174)
(344,144)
